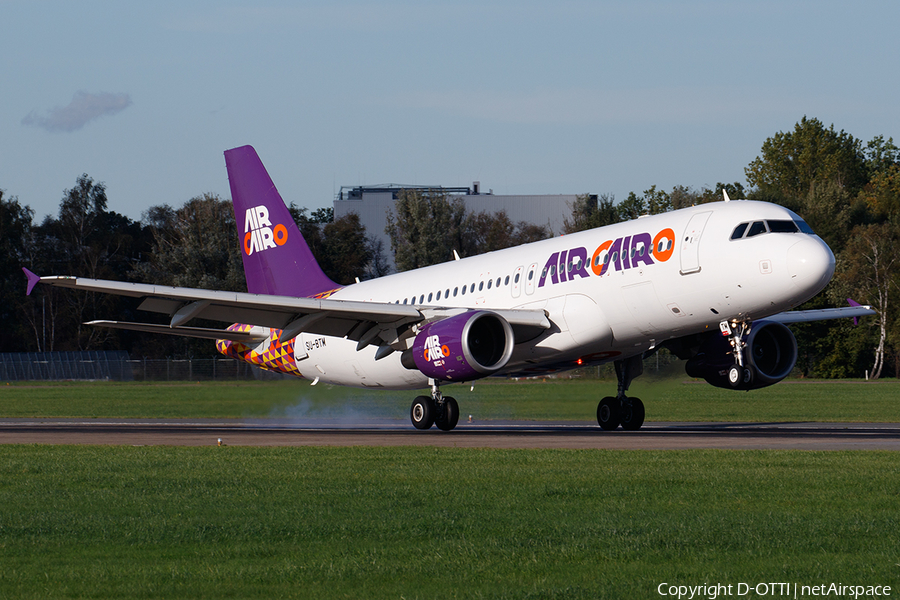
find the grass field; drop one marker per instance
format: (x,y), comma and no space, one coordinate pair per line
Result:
(665,400)
(233,522)
(161,522)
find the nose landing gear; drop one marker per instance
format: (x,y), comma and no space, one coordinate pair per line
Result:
(738,373)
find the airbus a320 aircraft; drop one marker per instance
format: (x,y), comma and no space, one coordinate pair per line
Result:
(711,283)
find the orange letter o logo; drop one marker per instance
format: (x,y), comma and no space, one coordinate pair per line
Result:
(666,253)
(598,269)
(280,233)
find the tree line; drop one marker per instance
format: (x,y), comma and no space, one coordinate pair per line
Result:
(847,190)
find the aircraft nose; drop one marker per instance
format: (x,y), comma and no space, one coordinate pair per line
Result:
(810,264)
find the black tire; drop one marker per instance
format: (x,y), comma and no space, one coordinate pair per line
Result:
(447,418)
(608,413)
(748,377)
(632,414)
(735,375)
(422,412)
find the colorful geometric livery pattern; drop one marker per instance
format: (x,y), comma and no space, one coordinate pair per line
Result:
(324,295)
(277,356)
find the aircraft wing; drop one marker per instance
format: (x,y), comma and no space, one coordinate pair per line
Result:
(801,316)
(360,321)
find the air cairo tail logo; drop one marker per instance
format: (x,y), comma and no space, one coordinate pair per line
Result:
(259,234)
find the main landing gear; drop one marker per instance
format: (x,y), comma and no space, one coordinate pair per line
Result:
(621,410)
(439,410)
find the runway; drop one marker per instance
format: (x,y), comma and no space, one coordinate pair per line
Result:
(493,434)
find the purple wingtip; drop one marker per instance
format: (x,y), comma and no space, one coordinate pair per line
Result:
(853,302)
(33,280)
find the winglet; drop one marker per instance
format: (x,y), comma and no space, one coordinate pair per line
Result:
(33,280)
(853,302)
(725,194)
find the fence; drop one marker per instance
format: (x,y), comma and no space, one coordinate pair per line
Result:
(118,366)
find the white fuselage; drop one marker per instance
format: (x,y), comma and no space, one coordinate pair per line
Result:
(607,294)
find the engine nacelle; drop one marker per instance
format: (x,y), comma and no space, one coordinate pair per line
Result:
(770,354)
(468,346)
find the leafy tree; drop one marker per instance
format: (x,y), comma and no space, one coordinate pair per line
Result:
(194,246)
(590,211)
(792,164)
(487,232)
(15,226)
(881,155)
(378,264)
(88,241)
(882,193)
(346,251)
(868,271)
(425,227)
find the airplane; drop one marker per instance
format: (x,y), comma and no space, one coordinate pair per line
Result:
(714,283)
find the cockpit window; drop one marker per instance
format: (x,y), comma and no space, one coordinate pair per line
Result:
(756,228)
(738,232)
(782,226)
(747,230)
(801,224)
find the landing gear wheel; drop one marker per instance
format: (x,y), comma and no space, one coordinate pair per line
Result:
(748,376)
(735,375)
(422,412)
(447,416)
(608,413)
(632,414)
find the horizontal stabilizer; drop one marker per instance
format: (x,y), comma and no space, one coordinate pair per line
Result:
(256,334)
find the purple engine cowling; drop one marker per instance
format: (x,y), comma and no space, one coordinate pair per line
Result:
(468,346)
(771,354)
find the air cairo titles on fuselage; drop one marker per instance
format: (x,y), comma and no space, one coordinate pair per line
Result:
(620,254)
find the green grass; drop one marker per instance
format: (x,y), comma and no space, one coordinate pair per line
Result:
(665,400)
(162,522)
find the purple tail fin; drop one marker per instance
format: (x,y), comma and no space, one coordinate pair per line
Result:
(277,260)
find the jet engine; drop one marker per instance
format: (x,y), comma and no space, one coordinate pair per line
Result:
(467,346)
(770,354)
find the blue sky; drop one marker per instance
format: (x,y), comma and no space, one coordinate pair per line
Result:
(525,97)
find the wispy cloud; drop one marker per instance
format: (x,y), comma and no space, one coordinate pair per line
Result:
(83,109)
